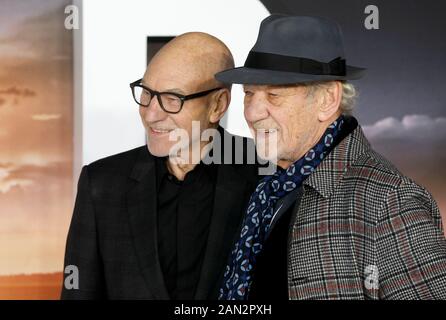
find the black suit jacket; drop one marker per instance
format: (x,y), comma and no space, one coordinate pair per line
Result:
(113,235)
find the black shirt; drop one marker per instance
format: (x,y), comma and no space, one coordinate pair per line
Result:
(184,214)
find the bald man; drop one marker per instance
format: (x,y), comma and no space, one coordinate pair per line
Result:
(152,223)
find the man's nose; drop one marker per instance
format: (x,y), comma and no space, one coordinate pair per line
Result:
(154,112)
(256,107)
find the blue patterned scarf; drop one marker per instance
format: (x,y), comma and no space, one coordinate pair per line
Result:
(237,277)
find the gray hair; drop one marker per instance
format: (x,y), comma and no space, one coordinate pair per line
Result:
(349,94)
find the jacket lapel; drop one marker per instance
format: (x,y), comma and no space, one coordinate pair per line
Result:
(228,209)
(142,212)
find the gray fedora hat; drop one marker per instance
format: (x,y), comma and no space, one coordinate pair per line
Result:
(294,49)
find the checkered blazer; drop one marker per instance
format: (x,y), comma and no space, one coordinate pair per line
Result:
(362,230)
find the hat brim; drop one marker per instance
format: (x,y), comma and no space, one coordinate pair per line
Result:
(243,75)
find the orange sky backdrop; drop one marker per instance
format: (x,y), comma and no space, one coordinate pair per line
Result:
(36,130)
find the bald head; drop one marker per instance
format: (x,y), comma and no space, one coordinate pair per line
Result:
(194,56)
(185,66)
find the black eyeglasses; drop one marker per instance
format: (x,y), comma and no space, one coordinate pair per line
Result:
(170,102)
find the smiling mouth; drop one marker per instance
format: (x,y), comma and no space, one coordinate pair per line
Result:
(159,131)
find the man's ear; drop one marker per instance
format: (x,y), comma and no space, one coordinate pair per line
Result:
(219,105)
(332,94)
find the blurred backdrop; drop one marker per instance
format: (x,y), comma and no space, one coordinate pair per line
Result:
(65,100)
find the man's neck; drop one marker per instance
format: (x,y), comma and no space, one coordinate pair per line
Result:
(180,168)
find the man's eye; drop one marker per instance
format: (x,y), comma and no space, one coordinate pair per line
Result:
(273,95)
(248,93)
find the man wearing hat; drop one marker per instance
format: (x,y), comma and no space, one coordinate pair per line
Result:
(336,220)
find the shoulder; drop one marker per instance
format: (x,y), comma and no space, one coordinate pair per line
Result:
(118,159)
(114,169)
(375,168)
(391,188)
(117,162)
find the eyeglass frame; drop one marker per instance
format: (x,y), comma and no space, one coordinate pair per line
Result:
(182,97)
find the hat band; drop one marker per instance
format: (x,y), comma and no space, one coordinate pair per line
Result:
(278,62)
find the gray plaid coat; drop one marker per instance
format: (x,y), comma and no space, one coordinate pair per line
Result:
(362,230)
